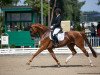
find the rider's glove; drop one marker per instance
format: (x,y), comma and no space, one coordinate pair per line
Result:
(51,27)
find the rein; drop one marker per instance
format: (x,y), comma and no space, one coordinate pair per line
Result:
(39,31)
(37,34)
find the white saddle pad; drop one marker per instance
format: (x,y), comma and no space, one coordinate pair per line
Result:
(60,36)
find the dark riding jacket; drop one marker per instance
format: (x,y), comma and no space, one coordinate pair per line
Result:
(57,22)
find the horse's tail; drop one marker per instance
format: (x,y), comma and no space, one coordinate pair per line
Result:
(86,40)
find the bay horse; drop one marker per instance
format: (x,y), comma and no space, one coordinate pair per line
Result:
(71,38)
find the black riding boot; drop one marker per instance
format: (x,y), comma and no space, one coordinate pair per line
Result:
(55,41)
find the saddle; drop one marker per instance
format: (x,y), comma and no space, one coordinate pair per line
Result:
(60,36)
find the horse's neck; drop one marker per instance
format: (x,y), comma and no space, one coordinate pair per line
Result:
(42,32)
(45,35)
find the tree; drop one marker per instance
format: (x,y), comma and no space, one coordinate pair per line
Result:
(70,9)
(4,3)
(36,5)
(1,23)
(7,2)
(98,2)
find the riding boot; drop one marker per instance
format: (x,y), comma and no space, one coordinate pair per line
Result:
(55,41)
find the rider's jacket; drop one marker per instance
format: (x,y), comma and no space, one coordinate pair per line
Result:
(57,22)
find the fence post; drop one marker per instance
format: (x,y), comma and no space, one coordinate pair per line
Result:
(94,41)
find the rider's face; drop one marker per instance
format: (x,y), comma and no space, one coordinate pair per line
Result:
(56,13)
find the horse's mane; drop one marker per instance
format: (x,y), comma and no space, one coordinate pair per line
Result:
(40,26)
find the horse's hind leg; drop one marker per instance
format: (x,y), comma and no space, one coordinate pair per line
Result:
(86,53)
(71,47)
(81,46)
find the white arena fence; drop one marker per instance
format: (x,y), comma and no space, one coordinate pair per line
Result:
(95,42)
(33,50)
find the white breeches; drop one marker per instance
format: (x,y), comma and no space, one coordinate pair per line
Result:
(56,31)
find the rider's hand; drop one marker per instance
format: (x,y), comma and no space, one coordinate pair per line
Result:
(51,27)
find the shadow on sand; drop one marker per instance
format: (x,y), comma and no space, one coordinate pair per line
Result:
(56,66)
(62,66)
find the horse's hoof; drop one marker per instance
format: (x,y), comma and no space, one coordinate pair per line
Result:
(28,63)
(92,65)
(59,66)
(66,62)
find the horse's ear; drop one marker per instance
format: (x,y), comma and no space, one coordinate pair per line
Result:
(33,25)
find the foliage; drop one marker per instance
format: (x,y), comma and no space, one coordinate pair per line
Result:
(4,3)
(1,24)
(70,10)
(78,27)
(36,4)
(98,2)
(7,2)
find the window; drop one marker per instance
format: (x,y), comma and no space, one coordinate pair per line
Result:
(8,17)
(19,16)
(18,21)
(26,16)
(15,17)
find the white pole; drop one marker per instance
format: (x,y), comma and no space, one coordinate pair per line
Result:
(42,12)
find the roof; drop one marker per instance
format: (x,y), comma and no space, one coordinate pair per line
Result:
(17,8)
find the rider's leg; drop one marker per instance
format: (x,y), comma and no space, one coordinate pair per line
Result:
(55,39)
(56,30)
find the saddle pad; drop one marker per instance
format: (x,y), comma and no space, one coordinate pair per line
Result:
(60,36)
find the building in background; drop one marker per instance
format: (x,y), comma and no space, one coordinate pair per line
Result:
(17,19)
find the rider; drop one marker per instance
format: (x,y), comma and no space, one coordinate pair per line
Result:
(56,26)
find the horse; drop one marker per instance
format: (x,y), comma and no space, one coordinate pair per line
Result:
(71,38)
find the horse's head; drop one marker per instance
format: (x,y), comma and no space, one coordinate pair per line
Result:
(33,30)
(38,28)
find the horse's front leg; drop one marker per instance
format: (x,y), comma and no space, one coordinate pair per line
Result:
(43,47)
(53,55)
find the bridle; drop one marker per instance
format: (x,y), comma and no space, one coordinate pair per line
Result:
(34,31)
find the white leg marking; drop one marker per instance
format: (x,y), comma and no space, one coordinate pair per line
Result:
(90,61)
(67,59)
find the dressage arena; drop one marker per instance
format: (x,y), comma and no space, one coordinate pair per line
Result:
(44,64)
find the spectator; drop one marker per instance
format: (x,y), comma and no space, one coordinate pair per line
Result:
(71,28)
(92,29)
(98,29)
(83,28)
